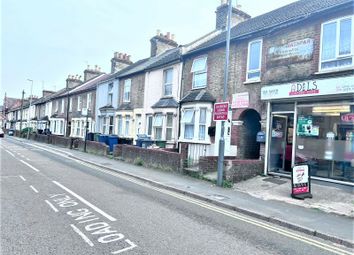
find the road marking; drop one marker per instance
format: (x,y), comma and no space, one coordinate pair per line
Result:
(231,214)
(34,189)
(22,178)
(52,206)
(28,159)
(83,236)
(10,153)
(30,166)
(95,208)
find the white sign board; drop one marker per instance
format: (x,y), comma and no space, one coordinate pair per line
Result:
(240,100)
(332,86)
(84,111)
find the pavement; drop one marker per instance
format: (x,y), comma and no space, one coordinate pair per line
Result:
(329,215)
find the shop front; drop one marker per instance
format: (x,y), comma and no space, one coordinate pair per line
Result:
(311,122)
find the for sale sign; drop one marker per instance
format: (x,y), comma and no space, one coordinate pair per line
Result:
(221,111)
(301,182)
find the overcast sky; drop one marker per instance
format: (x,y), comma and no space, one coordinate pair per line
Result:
(46,40)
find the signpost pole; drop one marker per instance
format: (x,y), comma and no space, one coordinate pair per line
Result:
(226,77)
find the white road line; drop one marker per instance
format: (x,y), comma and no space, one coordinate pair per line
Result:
(52,206)
(35,169)
(28,159)
(83,236)
(85,202)
(10,153)
(23,178)
(34,189)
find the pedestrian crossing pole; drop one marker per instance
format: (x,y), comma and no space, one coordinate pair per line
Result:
(226,77)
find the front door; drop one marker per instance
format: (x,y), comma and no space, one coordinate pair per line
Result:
(278,142)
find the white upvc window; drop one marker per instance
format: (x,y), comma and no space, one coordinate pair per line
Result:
(254,60)
(70,104)
(88,101)
(110,94)
(127,88)
(110,125)
(56,105)
(188,122)
(120,125)
(169,126)
(202,123)
(149,119)
(199,70)
(337,47)
(127,125)
(79,103)
(62,105)
(168,80)
(158,122)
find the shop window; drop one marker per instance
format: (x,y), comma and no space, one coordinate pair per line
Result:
(254,60)
(337,43)
(199,70)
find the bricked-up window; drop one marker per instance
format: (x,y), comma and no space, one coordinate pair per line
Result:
(110,94)
(88,101)
(169,126)
(168,82)
(199,70)
(127,87)
(337,43)
(188,122)
(158,122)
(202,123)
(254,60)
(127,125)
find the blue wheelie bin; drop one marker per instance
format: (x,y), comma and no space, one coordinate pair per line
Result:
(112,140)
(103,139)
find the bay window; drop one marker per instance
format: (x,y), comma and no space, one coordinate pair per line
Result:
(158,122)
(188,122)
(169,126)
(202,123)
(127,125)
(120,125)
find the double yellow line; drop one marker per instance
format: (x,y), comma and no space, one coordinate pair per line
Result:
(228,213)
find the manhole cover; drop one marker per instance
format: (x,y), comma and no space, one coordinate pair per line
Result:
(274,180)
(218,197)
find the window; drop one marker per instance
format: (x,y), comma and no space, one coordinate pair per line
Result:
(56,105)
(199,70)
(169,126)
(337,43)
(70,104)
(127,87)
(188,121)
(79,103)
(202,123)
(149,124)
(168,82)
(110,131)
(62,105)
(110,94)
(254,60)
(158,122)
(120,125)
(127,125)
(88,101)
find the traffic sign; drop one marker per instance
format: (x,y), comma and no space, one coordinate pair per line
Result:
(221,111)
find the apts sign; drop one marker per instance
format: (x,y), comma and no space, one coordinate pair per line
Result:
(332,86)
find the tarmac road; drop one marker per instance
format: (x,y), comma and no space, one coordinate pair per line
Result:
(52,204)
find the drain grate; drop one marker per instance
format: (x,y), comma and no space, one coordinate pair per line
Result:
(274,180)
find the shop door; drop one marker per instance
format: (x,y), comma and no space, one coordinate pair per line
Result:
(278,142)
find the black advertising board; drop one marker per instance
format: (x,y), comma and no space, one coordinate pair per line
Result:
(301,182)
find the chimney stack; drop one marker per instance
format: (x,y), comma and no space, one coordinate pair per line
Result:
(91,73)
(73,81)
(237,15)
(120,61)
(160,43)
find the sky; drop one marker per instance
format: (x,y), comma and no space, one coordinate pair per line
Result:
(47,40)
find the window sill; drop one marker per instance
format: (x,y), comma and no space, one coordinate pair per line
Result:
(194,141)
(199,88)
(334,70)
(251,82)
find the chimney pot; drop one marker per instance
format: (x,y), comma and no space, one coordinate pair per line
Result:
(173,37)
(115,54)
(88,67)
(158,31)
(168,34)
(128,57)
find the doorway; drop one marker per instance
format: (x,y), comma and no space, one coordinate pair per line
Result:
(281,134)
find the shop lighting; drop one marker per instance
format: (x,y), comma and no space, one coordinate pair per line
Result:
(326,114)
(331,109)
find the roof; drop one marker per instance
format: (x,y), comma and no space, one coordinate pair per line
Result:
(106,107)
(125,106)
(288,14)
(198,96)
(166,103)
(90,84)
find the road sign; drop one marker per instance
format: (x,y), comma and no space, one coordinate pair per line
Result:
(221,111)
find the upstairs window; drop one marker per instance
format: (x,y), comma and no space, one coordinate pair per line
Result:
(62,105)
(110,94)
(70,104)
(254,60)
(79,103)
(168,82)
(337,43)
(88,101)
(127,87)
(199,70)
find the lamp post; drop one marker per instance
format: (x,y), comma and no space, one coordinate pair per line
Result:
(29,109)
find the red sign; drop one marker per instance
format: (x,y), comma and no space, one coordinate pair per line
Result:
(221,111)
(300,182)
(349,117)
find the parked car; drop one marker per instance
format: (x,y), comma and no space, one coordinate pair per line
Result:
(1,133)
(11,132)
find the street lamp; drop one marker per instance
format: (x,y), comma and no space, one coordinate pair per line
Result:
(29,109)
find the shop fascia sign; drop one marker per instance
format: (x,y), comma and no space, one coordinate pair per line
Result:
(240,100)
(332,86)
